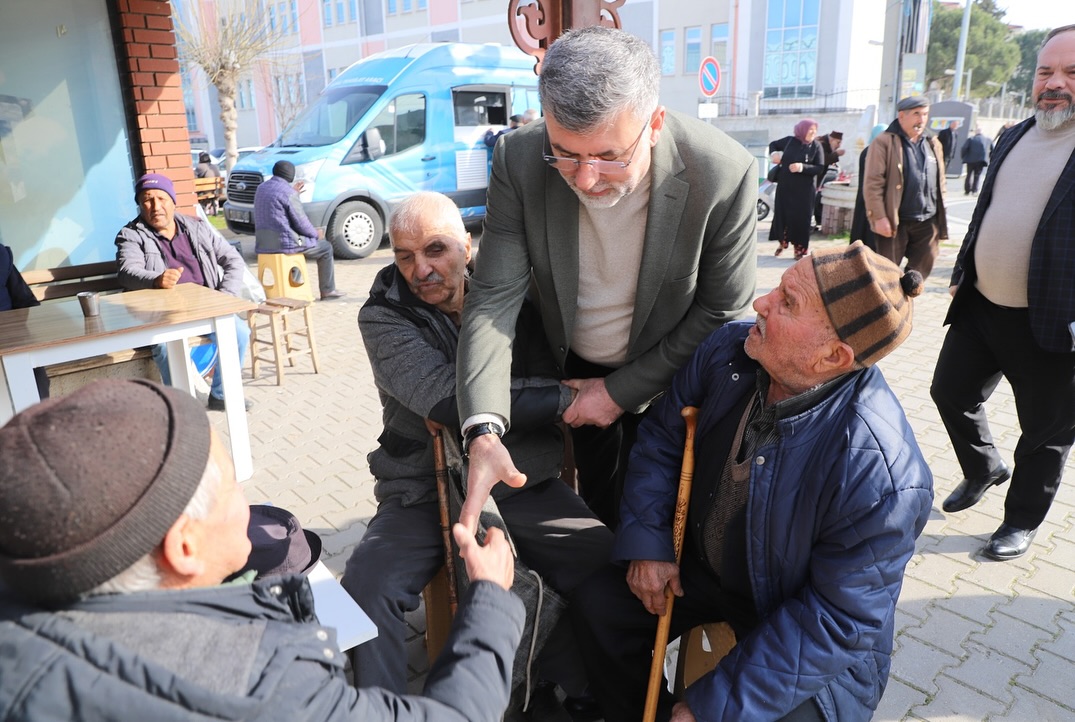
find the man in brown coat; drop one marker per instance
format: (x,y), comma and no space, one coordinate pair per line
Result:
(903,189)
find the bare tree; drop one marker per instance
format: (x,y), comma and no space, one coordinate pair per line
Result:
(282,80)
(225,46)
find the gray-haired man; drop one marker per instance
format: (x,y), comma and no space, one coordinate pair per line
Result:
(637,227)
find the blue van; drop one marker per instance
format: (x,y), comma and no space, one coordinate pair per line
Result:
(404,120)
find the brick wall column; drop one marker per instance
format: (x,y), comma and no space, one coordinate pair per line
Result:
(149,72)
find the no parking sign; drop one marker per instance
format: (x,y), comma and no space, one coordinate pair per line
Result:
(709,76)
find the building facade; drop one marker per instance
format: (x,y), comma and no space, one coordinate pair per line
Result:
(776,56)
(90,98)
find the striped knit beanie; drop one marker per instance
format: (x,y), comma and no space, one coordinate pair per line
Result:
(92,481)
(867,297)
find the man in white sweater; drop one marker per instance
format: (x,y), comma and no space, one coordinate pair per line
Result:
(1012,308)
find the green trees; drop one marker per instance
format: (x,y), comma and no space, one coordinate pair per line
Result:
(992,55)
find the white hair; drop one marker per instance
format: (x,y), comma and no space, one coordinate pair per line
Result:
(145,574)
(411,214)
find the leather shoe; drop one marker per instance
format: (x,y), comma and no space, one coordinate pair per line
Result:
(970,491)
(1008,542)
(332,295)
(216,404)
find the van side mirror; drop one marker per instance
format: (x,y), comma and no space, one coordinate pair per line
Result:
(369,146)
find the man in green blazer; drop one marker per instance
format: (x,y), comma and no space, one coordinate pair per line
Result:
(636,227)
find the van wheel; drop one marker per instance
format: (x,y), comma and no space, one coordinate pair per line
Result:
(356,230)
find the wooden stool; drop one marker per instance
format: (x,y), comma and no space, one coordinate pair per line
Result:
(694,659)
(438,615)
(283,275)
(276,312)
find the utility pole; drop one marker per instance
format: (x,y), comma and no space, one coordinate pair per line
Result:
(962,52)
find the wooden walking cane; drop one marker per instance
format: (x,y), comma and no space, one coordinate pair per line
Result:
(440,468)
(679,527)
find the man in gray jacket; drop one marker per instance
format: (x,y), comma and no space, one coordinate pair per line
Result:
(120,517)
(161,248)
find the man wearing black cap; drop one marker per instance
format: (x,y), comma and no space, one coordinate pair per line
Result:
(161,248)
(283,227)
(904,189)
(120,517)
(809,491)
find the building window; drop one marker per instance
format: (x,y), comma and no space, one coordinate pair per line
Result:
(272,18)
(332,73)
(422,4)
(720,49)
(692,49)
(339,12)
(790,48)
(408,5)
(282,7)
(668,52)
(352,11)
(294,16)
(391,7)
(250,94)
(326,13)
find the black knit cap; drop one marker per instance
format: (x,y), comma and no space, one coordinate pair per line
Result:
(91,482)
(284,169)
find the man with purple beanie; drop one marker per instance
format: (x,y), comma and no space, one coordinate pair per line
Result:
(120,519)
(283,227)
(161,248)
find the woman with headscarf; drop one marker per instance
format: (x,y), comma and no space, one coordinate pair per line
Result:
(801,163)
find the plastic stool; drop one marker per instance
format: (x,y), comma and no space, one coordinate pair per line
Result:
(283,275)
(276,312)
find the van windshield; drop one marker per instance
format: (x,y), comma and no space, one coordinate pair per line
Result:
(331,117)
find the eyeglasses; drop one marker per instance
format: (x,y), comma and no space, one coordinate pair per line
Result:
(604,167)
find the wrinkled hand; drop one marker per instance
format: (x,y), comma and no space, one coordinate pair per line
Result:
(492,562)
(490,463)
(840,151)
(883,228)
(775,156)
(682,713)
(952,290)
(796,167)
(648,580)
(592,405)
(169,278)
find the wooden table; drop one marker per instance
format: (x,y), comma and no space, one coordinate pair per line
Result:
(57,332)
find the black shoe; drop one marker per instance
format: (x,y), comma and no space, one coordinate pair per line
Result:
(970,491)
(332,295)
(1008,542)
(583,708)
(216,404)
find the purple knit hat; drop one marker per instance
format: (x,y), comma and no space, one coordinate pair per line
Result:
(154,181)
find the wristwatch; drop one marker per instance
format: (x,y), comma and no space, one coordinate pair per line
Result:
(480,430)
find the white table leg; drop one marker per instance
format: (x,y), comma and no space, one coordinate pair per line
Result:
(234,403)
(18,378)
(179,365)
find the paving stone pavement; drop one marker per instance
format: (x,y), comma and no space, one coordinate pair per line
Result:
(975,639)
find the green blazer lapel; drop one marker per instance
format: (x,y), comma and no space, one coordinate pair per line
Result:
(562,232)
(668,198)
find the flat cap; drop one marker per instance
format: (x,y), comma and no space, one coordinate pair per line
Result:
(912,102)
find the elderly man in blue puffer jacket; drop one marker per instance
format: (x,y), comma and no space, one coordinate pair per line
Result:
(282,226)
(809,492)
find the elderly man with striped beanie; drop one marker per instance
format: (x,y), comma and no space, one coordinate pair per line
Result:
(809,492)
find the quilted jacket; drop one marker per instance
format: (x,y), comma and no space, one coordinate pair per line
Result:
(236,652)
(834,508)
(281,224)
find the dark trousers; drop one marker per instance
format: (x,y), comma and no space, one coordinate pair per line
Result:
(616,634)
(974,173)
(915,240)
(601,454)
(986,342)
(326,266)
(556,535)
